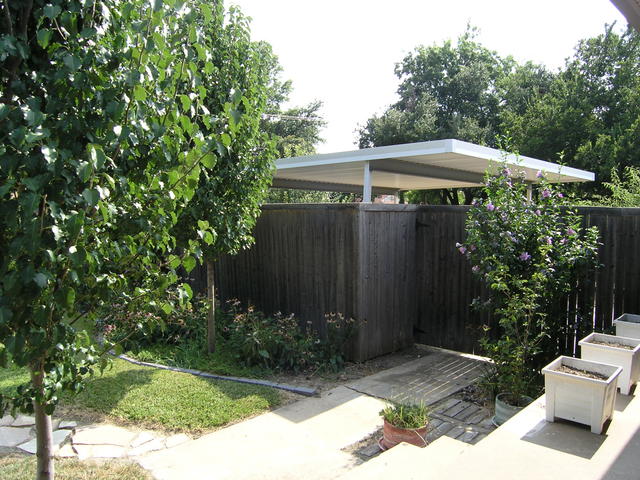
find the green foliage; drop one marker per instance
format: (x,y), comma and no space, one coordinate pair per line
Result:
(279,342)
(454,91)
(590,116)
(112,113)
(623,192)
(136,329)
(529,255)
(406,416)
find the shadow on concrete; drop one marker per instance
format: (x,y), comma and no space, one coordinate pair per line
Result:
(622,401)
(626,465)
(567,437)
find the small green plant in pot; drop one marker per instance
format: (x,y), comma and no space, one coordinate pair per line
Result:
(529,255)
(404,423)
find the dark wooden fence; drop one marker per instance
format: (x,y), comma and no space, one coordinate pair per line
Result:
(395,268)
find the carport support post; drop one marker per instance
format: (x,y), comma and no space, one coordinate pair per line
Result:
(529,192)
(366,188)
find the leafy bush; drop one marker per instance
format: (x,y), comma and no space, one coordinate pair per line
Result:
(406,416)
(529,255)
(136,329)
(278,342)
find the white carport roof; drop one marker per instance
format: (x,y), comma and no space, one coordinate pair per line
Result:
(411,166)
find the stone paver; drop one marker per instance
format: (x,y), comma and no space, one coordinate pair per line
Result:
(175,440)
(59,437)
(104,435)
(14,436)
(23,421)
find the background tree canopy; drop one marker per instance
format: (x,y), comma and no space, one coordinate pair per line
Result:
(587,115)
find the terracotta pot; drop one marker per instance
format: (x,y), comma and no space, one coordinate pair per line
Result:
(393,435)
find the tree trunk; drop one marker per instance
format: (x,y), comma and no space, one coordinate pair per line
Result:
(211,317)
(44,433)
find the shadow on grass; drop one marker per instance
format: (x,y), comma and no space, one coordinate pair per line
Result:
(170,400)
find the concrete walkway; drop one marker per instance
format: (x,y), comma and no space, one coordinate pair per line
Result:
(306,439)
(524,448)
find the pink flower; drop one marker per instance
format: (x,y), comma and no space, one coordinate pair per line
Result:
(560,195)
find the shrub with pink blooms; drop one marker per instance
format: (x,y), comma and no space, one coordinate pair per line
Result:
(529,254)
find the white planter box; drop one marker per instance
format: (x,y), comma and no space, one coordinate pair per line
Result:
(629,360)
(628,325)
(580,399)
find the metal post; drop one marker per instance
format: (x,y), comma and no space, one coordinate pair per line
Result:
(366,189)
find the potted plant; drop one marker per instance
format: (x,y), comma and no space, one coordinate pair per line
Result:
(614,350)
(628,325)
(580,390)
(528,254)
(404,423)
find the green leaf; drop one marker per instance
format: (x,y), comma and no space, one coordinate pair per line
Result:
(72,62)
(139,93)
(41,279)
(51,11)
(209,160)
(91,196)
(186,102)
(189,263)
(44,38)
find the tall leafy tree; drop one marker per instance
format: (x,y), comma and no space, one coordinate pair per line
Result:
(590,116)
(229,196)
(449,91)
(108,121)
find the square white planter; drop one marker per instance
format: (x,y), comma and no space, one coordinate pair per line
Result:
(580,399)
(628,325)
(629,360)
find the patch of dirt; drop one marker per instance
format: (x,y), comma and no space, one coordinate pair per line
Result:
(581,373)
(612,344)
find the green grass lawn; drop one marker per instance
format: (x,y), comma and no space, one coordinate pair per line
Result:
(23,468)
(161,399)
(189,354)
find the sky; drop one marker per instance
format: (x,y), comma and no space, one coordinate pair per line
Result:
(343,52)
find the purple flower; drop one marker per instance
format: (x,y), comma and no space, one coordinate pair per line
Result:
(560,195)
(472,247)
(475,269)
(506,172)
(524,256)
(549,241)
(539,174)
(491,207)
(571,231)
(538,212)
(546,193)
(462,250)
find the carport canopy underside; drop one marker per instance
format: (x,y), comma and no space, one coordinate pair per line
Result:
(412,166)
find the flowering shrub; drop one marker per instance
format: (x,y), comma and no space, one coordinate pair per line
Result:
(528,254)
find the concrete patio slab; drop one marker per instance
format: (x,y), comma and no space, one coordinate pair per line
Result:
(300,440)
(427,380)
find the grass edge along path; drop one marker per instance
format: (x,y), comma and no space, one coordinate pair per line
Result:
(14,467)
(160,399)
